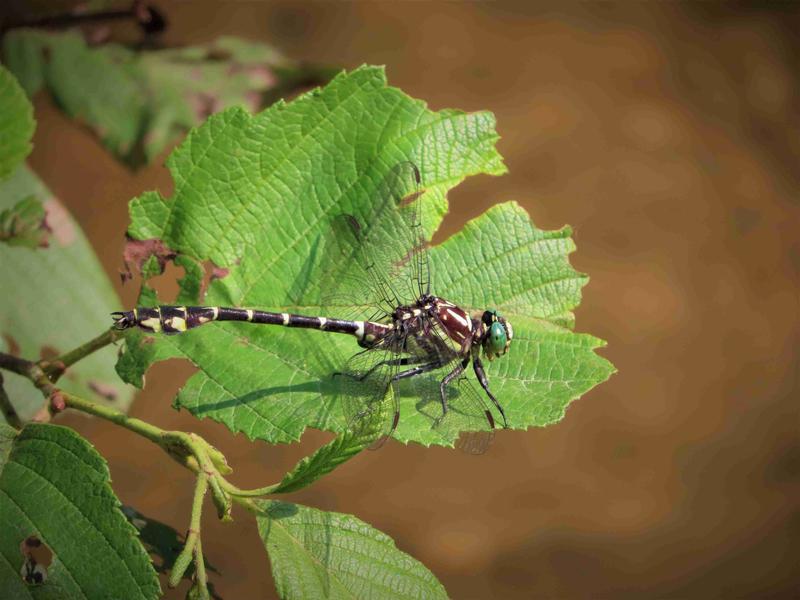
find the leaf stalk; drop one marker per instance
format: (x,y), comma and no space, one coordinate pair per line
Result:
(189,552)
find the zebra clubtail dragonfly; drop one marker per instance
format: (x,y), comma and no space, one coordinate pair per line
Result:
(381,273)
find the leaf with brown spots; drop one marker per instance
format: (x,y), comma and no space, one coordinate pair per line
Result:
(54,300)
(139,103)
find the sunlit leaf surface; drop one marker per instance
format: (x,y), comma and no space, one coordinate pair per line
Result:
(256,195)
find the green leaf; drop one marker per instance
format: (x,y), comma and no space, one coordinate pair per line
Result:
(54,486)
(57,298)
(141,102)
(317,554)
(98,87)
(500,260)
(24,55)
(256,195)
(16,124)
(344,447)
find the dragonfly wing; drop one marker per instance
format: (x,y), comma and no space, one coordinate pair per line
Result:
(368,397)
(377,257)
(468,419)
(475,420)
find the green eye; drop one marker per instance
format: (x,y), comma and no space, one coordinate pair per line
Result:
(497,338)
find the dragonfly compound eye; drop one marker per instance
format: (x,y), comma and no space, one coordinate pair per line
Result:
(498,334)
(498,340)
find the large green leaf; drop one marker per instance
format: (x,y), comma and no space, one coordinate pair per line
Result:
(317,554)
(16,124)
(58,297)
(140,102)
(54,298)
(54,486)
(256,195)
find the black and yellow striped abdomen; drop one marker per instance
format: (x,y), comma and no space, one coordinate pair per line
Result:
(177,319)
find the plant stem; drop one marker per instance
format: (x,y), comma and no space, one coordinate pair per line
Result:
(150,20)
(17,365)
(8,410)
(188,449)
(151,432)
(54,368)
(193,535)
(200,569)
(240,493)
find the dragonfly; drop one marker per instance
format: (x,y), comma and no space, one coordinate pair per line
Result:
(379,268)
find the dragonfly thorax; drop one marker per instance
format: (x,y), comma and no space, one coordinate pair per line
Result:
(491,333)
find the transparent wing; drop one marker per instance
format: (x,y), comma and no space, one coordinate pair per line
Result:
(369,401)
(370,393)
(470,416)
(469,419)
(377,259)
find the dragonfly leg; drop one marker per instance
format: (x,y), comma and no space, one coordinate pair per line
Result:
(416,371)
(391,363)
(481,374)
(450,376)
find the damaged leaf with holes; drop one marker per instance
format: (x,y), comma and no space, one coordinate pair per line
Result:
(66,504)
(140,102)
(256,195)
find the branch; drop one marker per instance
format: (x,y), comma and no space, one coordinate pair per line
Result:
(8,410)
(17,365)
(188,449)
(189,551)
(56,367)
(149,19)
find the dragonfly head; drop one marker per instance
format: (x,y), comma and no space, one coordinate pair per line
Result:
(497,334)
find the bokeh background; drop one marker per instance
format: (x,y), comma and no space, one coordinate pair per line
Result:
(667,135)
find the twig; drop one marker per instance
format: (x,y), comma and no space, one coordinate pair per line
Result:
(17,365)
(149,19)
(201,581)
(193,535)
(56,367)
(240,493)
(8,410)
(188,449)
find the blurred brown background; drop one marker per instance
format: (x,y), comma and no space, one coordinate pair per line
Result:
(667,136)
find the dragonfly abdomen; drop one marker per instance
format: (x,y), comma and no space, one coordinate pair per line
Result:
(177,319)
